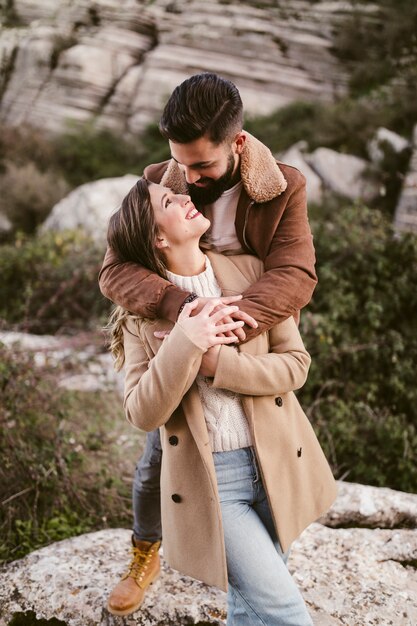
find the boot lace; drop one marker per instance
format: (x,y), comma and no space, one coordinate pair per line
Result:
(139,563)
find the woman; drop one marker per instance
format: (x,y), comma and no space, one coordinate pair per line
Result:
(242,471)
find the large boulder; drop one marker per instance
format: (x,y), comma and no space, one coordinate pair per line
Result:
(344,174)
(296,156)
(372,507)
(351,576)
(89,206)
(383,137)
(6,226)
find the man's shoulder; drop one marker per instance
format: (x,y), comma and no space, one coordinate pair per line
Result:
(155,171)
(292,175)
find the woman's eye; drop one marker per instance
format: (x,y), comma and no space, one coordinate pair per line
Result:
(167,201)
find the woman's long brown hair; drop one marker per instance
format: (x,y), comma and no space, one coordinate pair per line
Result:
(132,234)
(132,230)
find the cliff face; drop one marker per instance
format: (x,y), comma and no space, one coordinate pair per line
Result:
(119,60)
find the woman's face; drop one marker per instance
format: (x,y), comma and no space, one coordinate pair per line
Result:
(176,216)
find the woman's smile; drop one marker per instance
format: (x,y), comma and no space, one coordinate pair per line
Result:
(192,214)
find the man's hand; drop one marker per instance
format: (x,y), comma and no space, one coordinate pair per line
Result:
(209,362)
(238,315)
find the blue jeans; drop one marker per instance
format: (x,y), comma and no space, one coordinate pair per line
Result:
(146,491)
(261,589)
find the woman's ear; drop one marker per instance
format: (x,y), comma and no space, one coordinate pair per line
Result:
(161,242)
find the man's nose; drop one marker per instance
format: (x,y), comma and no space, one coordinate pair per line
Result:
(191,176)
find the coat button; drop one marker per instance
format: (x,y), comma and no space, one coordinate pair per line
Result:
(278,401)
(173,440)
(176,498)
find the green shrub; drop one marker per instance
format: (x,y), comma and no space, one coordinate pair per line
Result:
(380,46)
(87,153)
(50,283)
(62,469)
(28,195)
(82,153)
(361,331)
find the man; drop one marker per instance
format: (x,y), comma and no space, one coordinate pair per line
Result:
(256,206)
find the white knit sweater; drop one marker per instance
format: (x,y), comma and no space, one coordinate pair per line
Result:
(227,425)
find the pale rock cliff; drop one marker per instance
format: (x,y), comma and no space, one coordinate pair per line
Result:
(117,62)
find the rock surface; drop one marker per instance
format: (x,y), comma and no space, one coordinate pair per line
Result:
(406,212)
(385,136)
(356,577)
(116,61)
(343,174)
(89,206)
(85,367)
(372,507)
(295,156)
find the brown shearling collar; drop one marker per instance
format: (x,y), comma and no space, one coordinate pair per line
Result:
(260,173)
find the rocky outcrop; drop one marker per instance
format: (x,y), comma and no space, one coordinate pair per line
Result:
(351,576)
(116,62)
(85,364)
(406,212)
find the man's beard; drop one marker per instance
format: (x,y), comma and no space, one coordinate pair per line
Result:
(207,195)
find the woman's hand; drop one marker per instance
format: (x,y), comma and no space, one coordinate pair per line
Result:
(209,362)
(237,315)
(202,328)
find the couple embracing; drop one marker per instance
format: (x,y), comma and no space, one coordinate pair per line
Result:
(210,260)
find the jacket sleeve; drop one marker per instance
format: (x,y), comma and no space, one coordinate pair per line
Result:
(290,278)
(139,290)
(281,370)
(155,387)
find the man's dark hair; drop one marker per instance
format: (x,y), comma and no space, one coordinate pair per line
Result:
(204,104)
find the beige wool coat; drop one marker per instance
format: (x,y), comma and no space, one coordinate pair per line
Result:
(160,391)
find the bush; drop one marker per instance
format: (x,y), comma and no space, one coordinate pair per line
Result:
(62,470)
(361,331)
(88,153)
(380,46)
(28,195)
(50,283)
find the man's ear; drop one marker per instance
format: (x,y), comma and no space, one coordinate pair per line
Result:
(240,140)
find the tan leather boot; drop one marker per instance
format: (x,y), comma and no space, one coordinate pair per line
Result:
(144,568)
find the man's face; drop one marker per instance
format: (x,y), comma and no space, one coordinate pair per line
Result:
(209,169)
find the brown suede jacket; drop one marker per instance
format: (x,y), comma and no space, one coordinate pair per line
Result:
(271,222)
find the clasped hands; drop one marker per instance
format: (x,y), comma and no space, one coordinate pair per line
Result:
(211,322)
